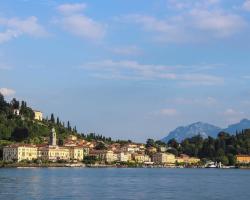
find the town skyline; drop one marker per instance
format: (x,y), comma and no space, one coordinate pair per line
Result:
(128,70)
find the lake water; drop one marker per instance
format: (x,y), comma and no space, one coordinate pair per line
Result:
(124,184)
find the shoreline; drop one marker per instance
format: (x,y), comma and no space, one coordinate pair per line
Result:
(82,165)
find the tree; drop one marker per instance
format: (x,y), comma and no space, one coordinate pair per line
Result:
(173,143)
(14,104)
(52,118)
(57,121)
(150,143)
(20,134)
(3,103)
(68,126)
(100,146)
(90,159)
(231,159)
(173,151)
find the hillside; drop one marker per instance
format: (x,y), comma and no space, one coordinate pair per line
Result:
(23,127)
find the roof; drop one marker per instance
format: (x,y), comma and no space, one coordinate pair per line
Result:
(37,111)
(240,155)
(20,145)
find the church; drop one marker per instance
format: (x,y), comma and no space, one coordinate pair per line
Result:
(54,152)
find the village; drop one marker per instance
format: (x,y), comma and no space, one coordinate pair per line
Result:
(77,150)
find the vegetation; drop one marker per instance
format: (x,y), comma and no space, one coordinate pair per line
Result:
(23,127)
(96,137)
(222,149)
(90,160)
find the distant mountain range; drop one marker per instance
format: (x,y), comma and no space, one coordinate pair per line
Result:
(205,130)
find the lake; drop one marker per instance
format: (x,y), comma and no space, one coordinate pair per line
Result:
(124,184)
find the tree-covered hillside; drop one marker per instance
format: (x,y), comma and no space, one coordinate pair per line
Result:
(23,127)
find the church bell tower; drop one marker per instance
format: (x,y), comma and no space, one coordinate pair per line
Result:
(53,137)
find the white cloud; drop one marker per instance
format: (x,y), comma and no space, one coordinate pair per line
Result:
(193,21)
(71,8)
(219,23)
(168,112)
(15,27)
(79,24)
(128,69)
(246,5)
(8,35)
(200,79)
(208,101)
(83,26)
(167,30)
(7,91)
(184,4)
(127,50)
(232,112)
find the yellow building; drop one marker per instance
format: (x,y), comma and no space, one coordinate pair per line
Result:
(76,153)
(72,138)
(163,158)
(124,157)
(110,156)
(140,158)
(19,152)
(243,159)
(186,159)
(38,115)
(53,153)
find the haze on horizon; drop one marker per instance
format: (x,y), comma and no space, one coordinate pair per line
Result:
(128,69)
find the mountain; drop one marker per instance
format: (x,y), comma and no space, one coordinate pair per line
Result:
(204,129)
(243,124)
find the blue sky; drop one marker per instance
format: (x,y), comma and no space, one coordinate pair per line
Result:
(128,69)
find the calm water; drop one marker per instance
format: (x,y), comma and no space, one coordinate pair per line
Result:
(134,184)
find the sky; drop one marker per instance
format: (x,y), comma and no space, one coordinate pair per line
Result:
(128,69)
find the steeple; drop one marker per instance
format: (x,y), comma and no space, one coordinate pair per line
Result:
(53,137)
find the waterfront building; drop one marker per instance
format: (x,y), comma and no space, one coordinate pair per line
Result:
(163,158)
(183,158)
(243,159)
(19,152)
(76,153)
(110,156)
(140,158)
(50,151)
(38,115)
(99,154)
(53,153)
(124,157)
